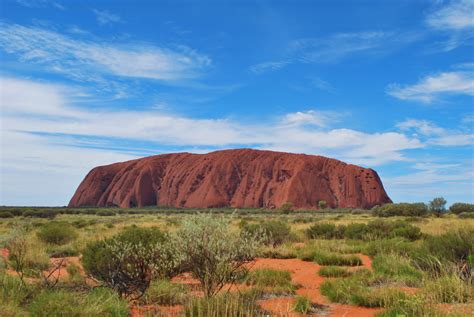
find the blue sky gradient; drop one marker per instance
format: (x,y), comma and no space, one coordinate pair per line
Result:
(383,84)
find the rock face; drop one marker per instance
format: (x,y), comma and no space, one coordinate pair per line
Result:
(233,178)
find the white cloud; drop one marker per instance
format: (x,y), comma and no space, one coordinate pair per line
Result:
(436,135)
(90,60)
(423,127)
(105,17)
(431,87)
(457,15)
(311,117)
(337,47)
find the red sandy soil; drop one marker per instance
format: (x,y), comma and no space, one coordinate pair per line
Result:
(233,178)
(305,275)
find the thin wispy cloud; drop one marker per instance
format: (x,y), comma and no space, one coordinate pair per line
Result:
(91,60)
(307,132)
(41,4)
(435,135)
(105,17)
(456,20)
(432,87)
(337,47)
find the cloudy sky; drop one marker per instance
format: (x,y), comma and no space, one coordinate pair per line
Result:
(384,84)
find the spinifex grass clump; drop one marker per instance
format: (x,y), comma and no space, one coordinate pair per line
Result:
(357,290)
(271,281)
(302,305)
(328,258)
(397,268)
(273,232)
(334,271)
(164,292)
(226,305)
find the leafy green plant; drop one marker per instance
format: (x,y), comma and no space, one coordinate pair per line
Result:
(214,254)
(57,233)
(458,208)
(398,268)
(128,261)
(272,232)
(226,305)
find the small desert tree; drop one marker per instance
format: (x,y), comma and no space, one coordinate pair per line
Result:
(286,207)
(17,246)
(438,206)
(214,253)
(129,261)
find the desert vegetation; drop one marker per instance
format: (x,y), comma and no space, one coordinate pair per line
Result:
(393,260)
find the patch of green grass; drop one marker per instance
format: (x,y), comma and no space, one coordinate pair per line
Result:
(276,282)
(449,289)
(98,302)
(334,271)
(397,268)
(356,290)
(226,305)
(164,292)
(328,258)
(302,305)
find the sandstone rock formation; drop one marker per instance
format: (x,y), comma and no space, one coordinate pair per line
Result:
(235,178)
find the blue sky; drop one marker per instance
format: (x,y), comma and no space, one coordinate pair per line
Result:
(383,84)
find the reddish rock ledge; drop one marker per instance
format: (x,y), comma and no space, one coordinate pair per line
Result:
(231,178)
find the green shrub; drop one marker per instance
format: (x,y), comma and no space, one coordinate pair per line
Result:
(324,231)
(401,209)
(458,208)
(6,214)
(272,232)
(302,305)
(61,251)
(214,254)
(57,233)
(286,207)
(466,215)
(356,231)
(334,271)
(385,246)
(453,246)
(328,258)
(12,291)
(279,281)
(128,261)
(40,213)
(105,213)
(164,292)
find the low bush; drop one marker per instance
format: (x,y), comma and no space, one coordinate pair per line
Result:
(302,305)
(61,251)
(454,246)
(58,233)
(401,209)
(273,232)
(399,246)
(105,213)
(40,213)
(325,231)
(466,215)
(458,208)
(214,254)
(163,292)
(333,271)
(275,281)
(328,258)
(6,214)
(377,229)
(129,261)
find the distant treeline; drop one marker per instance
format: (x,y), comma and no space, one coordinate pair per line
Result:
(465,210)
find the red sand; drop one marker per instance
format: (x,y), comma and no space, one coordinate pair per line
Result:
(235,178)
